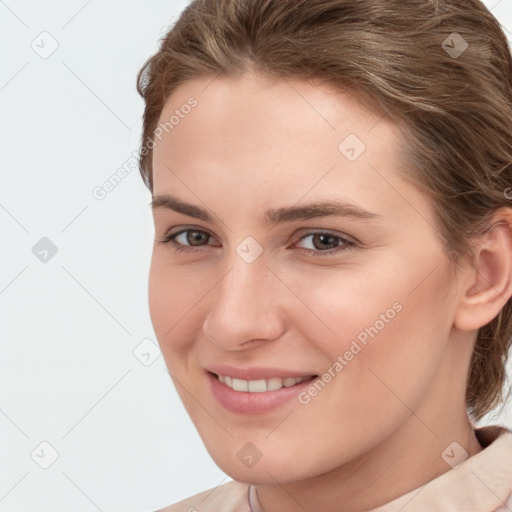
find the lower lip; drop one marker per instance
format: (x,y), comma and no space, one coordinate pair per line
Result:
(244,402)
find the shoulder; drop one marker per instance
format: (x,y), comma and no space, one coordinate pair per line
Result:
(229,497)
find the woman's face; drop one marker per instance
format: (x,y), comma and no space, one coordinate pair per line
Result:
(366,320)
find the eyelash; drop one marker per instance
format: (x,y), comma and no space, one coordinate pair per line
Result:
(347,244)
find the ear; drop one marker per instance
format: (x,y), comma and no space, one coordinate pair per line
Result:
(487,283)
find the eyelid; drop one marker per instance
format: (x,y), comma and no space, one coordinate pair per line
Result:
(183,229)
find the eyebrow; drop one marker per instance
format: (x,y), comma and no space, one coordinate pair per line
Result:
(271,216)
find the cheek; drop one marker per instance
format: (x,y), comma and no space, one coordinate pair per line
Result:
(395,322)
(397,294)
(339,306)
(169,300)
(392,344)
(177,296)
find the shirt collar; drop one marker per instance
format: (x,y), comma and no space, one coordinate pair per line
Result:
(482,482)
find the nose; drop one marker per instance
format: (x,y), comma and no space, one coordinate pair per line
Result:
(246,306)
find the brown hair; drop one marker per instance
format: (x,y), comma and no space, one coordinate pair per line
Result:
(441,69)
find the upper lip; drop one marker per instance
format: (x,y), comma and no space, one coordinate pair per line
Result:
(256,373)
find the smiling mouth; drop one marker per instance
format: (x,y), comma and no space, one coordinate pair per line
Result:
(261,385)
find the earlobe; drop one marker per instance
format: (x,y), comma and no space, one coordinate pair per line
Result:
(488,285)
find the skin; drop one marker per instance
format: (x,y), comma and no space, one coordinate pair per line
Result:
(378,429)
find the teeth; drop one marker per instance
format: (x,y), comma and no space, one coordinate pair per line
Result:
(260,385)
(257,386)
(240,385)
(274,383)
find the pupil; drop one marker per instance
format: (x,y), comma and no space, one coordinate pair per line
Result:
(196,236)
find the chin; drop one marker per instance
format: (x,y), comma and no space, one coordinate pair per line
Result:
(281,467)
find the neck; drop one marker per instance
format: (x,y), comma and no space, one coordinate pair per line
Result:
(408,459)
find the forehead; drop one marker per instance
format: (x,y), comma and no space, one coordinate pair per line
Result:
(276,139)
(259,113)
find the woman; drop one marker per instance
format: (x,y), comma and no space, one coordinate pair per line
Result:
(331,273)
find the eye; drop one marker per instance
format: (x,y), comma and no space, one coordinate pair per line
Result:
(193,240)
(320,239)
(193,237)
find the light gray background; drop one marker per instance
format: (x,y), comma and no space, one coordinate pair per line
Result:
(79,368)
